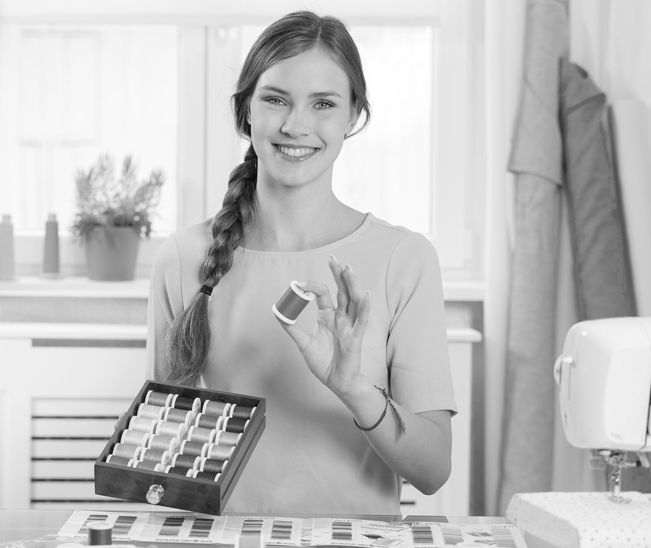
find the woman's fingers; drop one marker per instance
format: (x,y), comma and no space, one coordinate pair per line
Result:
(343,296)
(321,292)
(354,291)
(362,318)
(297,334)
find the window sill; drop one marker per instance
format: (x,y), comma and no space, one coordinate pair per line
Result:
(74,287)
(463,291)
(31,286)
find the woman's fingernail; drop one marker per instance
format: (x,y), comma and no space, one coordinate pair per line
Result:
(351,270)
(334,259)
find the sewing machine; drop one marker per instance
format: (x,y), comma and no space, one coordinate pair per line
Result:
(604,379)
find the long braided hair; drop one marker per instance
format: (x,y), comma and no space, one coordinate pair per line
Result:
(292,35)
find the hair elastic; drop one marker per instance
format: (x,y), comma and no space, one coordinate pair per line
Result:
(206,289)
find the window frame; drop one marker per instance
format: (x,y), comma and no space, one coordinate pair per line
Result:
(205,123)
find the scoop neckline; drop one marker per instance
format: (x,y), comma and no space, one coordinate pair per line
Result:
(321,249)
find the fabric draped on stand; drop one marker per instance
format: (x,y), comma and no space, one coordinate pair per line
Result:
(602,272)
(537,161)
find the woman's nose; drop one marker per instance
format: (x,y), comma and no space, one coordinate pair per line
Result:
(296,124)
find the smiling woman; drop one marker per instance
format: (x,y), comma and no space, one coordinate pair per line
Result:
(301,91)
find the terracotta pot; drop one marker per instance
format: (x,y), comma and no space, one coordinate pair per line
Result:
(112,253)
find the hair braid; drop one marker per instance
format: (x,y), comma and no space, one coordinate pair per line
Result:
(189,337)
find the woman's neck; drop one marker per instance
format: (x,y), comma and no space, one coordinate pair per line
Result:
(299,221)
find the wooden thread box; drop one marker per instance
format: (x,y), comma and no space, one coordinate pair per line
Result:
(183,493)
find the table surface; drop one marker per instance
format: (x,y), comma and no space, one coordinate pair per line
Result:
(31,524)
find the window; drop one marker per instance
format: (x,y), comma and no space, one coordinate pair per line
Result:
(159,89)
(72,93)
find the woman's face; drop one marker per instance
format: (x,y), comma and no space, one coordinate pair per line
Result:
(300,113)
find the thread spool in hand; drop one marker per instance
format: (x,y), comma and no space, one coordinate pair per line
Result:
(292,303)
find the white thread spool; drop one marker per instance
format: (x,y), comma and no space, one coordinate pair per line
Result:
(148,411)
(227,438)
(142,424)
(127,451)
(133,437)
(204,435)
(175,429)
(292,303)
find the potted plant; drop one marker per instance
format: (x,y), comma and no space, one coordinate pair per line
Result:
(113,215)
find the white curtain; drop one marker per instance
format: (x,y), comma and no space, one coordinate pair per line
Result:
(504,33)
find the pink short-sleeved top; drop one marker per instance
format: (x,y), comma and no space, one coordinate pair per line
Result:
(311,459)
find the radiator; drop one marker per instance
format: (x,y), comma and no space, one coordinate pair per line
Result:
(62,386)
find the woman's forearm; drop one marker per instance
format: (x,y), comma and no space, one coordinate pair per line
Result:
(421,455)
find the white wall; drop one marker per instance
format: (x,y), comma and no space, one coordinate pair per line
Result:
(611,39)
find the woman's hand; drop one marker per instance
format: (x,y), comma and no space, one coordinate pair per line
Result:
(333,351)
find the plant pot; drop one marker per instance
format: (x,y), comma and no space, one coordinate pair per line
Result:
(112,253)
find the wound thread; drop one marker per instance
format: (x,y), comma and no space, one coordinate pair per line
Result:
(292,303)
(158,399)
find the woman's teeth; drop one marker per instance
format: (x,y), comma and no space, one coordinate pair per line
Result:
(296,152)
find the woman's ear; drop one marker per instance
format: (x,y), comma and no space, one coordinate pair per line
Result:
(354,116)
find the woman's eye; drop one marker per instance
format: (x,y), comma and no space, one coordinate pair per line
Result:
(323,105)
(274,101)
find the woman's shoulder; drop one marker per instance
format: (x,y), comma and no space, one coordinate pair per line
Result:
(397,238)
(186,245)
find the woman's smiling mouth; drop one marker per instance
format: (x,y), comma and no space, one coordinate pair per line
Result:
(295,154)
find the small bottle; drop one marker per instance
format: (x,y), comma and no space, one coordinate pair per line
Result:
(51,265)
(7,258)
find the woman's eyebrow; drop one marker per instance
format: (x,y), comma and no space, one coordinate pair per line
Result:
(316,94)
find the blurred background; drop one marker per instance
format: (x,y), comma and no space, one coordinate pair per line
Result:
(153,79)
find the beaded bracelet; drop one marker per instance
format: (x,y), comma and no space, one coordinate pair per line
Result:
(401,425)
